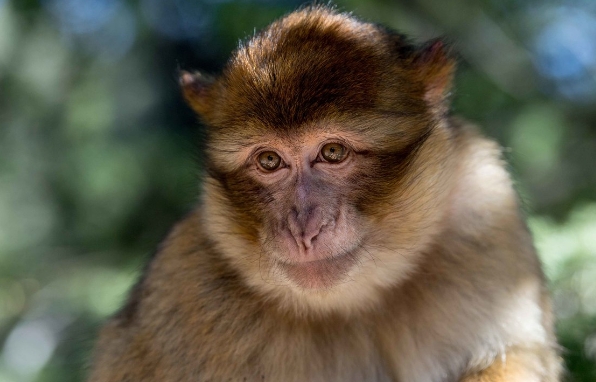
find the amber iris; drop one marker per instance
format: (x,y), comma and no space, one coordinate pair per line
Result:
(333,152)
(269,160)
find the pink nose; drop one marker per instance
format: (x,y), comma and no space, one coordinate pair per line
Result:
(305,226)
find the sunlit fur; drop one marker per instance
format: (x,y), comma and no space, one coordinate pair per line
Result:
(423,269)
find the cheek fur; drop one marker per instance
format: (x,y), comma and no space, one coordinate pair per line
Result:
(374,186)
(248,199)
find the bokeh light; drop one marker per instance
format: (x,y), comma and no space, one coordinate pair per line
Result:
(565,51)
(82,16)
(176,19)
(29,347)
(106,28)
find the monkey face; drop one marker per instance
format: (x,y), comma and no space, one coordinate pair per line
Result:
(327,206)
(311,230)
(326,150)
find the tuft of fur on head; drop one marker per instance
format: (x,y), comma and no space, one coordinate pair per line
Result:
(318,72)
(315,63)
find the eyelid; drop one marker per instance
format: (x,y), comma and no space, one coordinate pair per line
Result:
(339,141)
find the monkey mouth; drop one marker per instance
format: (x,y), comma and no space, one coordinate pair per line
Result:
(319,274)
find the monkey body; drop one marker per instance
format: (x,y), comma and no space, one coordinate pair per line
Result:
(192,318)
(349,229)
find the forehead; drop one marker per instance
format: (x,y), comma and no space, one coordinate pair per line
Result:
(251,135)
(370,132)
(302,69)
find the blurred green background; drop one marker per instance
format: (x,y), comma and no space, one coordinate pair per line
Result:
(98,151)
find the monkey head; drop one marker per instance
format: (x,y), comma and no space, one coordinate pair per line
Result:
(328,156)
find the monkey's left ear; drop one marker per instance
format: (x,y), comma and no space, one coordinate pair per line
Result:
(435,69)
(196,89)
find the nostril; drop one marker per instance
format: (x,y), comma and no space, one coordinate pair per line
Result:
(306,226)
(308,242)
(311,235)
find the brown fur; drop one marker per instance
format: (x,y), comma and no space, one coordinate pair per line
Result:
(441,282)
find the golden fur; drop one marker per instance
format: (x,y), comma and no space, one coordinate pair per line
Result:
(441,281)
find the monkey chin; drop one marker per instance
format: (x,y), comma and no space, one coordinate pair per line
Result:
(319,274)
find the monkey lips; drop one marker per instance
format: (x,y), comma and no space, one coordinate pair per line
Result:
(316,249)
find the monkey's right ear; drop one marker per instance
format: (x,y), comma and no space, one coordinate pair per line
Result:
(196,90)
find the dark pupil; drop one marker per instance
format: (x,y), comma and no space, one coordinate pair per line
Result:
(332,149)
(269,161)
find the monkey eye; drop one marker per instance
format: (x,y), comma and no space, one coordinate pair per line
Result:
(334,152)
(269,160)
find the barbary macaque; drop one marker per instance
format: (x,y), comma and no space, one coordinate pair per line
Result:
(349,229)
